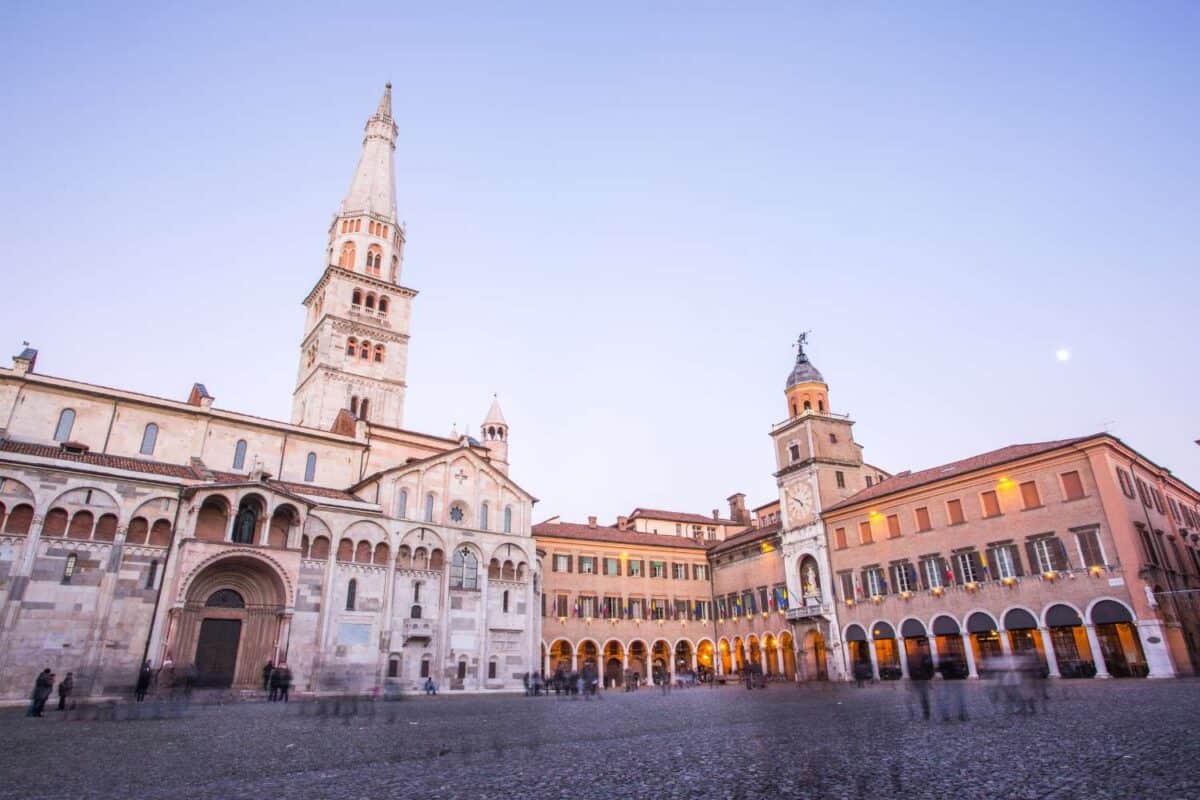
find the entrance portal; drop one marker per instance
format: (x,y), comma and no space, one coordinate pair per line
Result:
(216,652)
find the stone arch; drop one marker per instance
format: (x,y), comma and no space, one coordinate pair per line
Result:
(362,552)
(1091,607)
(587,649)
(79,496)
(1017,607)
(561,654)
(725,654)
(284,519)
(1044,618)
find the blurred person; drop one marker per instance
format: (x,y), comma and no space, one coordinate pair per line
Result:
(950,690)
(65,686)
(145,675)
(42,687)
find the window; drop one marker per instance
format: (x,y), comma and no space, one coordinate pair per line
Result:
(954,512)
(1072,485)
(402,504)
(149,439)
(364,409)
(893,523)
(637,608)
(1029,495)
(393,667)
(356,298)
(1091,554)
(66,421)
(873,581)
(1143,492)
(870,481)
(679,572)
(1126,483)
(492,669)
(69,567)
(1174,508)
(351,347)
(1047,554)
(429,507)
(847,581)
(417,592)
(456,513)
(483,517)
(425,667)
(864,532)
(464,570)
(923,523)
(1158,500)
(310,468)
(794,452)
(904,577)
(700,572)
(839,538)
(562,563)
(383,305)
(462,670)
(346,258)
(635,569)
(587,565)
(933,572)
(658,609)
(763,603)
(508,519)
(990,503)
(841,479)
(351,594)
(1004,562)
(658,569)
(968,567)
(588,606)
(239,454)
(504,602)
(612,566)
(833,438)
(378,354)
(561,605)
(152,574)
(1147,546)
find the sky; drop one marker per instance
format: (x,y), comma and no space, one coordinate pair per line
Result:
(620,216)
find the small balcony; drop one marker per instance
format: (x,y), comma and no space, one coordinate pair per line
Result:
(808,613)
(417,630)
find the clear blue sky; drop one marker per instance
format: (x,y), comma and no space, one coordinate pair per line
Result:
(619,219)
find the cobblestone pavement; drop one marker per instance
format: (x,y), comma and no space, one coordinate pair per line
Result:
(1116,739)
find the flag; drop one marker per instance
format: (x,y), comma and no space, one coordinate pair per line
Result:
(577,612)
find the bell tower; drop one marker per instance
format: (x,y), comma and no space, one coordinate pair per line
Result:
(494,432)
(354,352)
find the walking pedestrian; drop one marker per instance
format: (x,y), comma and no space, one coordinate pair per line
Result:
(64,690)
(920,676)
(266,674)
(950,690)
(145,675)
(41,690)
(273,684)
(285,682)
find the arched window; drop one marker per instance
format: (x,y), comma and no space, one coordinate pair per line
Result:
(364,350)
(66,421)
(464,570)
(354,404)
(378,354)
(416,591)
(508,519)
(504,601)
(821,406)
(393,667)
(69,568)
(149,439)
(370,302)
(807,406)
(346,259)
(239,454)
(310,468)
(483,517)
(351,346)
(383,305)
(362,409)
(402,504)
(395,268)
(351,594)
(415,612)
(429,507)
(356,298)
(245,524)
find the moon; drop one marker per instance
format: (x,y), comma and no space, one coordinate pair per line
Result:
(1062,354)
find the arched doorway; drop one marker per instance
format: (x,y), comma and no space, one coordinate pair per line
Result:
(683,657)
(1024,640)
(739,655)
(916,654)
(231,623)
(887,656)
(948,637)
(770,655)
(704,660)
(858,652)
(1120,645)
(614,664)
(637,659)
(588,653)
(985,641)
(561,655)
(755,652)
(788,647)
(726,658)
(1069,639)
(815,668)
(661,661)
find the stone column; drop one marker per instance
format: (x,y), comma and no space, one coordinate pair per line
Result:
(1005,643)
(874,659)
(933,654)
(281,644)
(1158,656)
(1051,656)
(1097,653)
(902,653)
(969,647)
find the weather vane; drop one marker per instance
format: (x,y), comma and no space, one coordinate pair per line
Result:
(802,340)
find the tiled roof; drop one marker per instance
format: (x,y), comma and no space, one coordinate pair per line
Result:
(678,516)
(316,491)
(610,535)
(988,460)
(98,459)
(747,536)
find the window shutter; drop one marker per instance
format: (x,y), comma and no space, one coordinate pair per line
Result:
(1031,551)
(957,564)
(993,564)
(1058,554)
(570,563)
(1015,552)
(893,584)
(641,567)
(922,576)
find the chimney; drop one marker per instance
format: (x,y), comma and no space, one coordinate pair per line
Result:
(591,522)
(199,396)
(622,523)
(737,509)
(716,513)
(24,363)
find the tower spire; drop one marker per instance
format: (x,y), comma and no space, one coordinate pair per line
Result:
(373,187)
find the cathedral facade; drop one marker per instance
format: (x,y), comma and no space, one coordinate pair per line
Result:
(137,528)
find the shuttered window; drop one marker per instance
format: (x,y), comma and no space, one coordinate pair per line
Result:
(922,515)
(1029,495)
(954,512)
(839,538)
(1090,552)
(864,532)
(893,523)
(1047,554)
(1125,481)
(991,504)
(1072,485)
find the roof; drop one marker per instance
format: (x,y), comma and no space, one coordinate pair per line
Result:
(161,468)
(748,536)
(988,460)
(679,516)
(804,371)
(610,535)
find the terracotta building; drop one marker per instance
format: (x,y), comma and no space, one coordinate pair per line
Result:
(136,528)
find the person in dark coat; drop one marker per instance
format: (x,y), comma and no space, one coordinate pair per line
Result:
(273,684)
(285,682)
(145,675)
(920,674)
(41,690)
(266,675)
(64,690)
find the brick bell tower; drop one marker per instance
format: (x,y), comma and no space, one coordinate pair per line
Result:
(354,352)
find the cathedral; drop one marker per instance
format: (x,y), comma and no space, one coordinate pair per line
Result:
(136,528)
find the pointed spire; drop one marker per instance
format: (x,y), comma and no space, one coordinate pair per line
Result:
(373,188)
(494,414)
